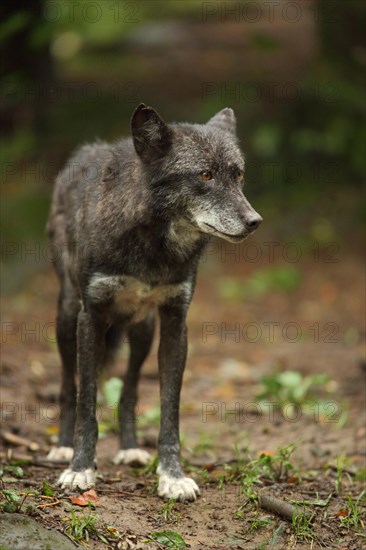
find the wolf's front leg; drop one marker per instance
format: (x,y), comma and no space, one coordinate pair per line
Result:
(172,359)
(90,344)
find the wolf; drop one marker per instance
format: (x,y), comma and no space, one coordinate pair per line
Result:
(129,222)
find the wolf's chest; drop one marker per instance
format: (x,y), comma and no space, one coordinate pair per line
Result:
(130,296)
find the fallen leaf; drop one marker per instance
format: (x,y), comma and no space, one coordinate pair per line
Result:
(91,495)
(85,498)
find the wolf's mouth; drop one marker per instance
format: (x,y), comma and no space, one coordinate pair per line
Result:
(232,238)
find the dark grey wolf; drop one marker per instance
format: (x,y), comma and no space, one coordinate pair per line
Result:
(132,220)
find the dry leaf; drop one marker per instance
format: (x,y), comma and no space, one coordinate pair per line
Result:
(85,498)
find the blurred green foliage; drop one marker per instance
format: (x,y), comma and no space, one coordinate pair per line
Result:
(322,133)
(284,278)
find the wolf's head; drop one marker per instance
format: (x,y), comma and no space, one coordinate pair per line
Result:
(196,172)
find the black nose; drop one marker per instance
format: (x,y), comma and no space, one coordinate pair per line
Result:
(253,222)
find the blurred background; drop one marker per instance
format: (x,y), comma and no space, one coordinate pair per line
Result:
(292,71)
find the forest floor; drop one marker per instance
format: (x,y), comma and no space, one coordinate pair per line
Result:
(265,327)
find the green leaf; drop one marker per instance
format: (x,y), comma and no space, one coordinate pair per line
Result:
(11,496)
(46,489)
(17,471)
(112,391)
(170,539)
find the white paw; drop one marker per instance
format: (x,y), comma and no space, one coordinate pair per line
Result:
(71,480)
(61,453)
(132,456)
(182,488)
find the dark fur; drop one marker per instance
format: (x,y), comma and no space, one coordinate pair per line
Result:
(129,214)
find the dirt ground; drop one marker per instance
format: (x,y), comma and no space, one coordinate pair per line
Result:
(315,328)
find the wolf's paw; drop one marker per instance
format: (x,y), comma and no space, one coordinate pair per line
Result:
(181,488)
(71,480)
(61,454)
(133,457)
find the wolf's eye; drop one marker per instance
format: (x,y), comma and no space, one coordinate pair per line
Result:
(206,176)
(240,175)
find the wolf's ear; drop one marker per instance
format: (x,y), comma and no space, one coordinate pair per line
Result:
(224,120)
(152,137)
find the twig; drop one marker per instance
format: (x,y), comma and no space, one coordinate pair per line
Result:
(14,439)
(49,504)
(282,508)
(9,456)
(32,461)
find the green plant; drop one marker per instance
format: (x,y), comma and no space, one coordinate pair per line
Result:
(356,512)
(151,417)
(275,467)
(201,473)
(290,390)
(13,502)
(206,442)
(280,279)
(12,469)
(150,468)
(169,511)
(302,526)
(169,539)
(46,490)
(80,526)
(256,522)
(341,472)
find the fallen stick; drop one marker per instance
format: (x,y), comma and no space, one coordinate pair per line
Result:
(282,508)
(48,504)
(9,456)
(14,439)
(31,460)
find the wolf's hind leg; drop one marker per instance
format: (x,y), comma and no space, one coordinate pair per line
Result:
(140,336)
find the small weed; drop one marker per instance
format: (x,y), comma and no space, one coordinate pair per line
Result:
(14,502)
(341,472)
(356,511)
(205,443)
(169,511)
(150,468)
(169,539)
(46,490)
(279,464)
(259,523)
(256,522)
(80,526)
(274,467)
(302,526)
